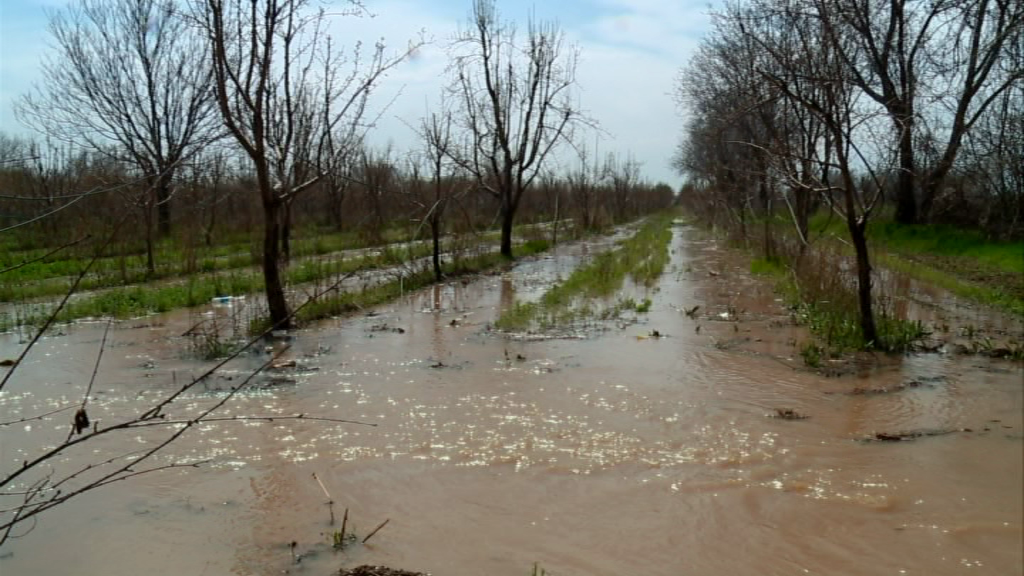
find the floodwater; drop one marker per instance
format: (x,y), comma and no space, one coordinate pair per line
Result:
(610,452)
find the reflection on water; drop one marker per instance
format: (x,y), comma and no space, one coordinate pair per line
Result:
(593,456)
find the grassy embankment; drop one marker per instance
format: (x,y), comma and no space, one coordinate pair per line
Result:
(642,257)
(961,261)
(964,262)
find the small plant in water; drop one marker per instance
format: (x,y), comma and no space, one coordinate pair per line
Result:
(208,342)
(812,354)
(340,539)
(644,307)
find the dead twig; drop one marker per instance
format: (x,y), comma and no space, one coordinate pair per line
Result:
(330,501)
(344,524)
(375,530)
(37,417)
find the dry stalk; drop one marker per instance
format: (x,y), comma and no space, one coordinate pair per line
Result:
(344,524)
(330,501)
(375,530)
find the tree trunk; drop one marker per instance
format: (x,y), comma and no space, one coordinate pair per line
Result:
(213,218)
(935,179)
(150,259)
(906,198)
(276,302)
(867,316)
(337,209)
(765,193)
(163,205)
(435,233)
(554,227)
(286,231)
(507,215)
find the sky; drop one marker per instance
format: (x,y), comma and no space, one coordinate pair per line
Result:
(631,52)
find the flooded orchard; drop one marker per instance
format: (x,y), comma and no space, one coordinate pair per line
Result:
(672,444)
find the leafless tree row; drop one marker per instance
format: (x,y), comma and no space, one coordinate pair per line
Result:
(186,124)
(203,118)
(797,104)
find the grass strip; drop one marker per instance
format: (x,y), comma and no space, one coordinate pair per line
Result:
(642,257)
(349,302)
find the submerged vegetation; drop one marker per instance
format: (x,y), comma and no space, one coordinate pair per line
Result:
(351,301)
(641,258)
(817,287)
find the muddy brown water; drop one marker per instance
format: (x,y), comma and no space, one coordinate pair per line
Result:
(606,453)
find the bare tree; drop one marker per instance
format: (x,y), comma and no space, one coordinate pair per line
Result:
(377,178)
(435,131)
(908,54)
(129,80)
(584,186)
(813,75)
(285,93)
(515,104)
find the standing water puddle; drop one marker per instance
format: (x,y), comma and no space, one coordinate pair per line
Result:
(610,455)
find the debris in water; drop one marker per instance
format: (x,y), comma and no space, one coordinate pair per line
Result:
(377,571)
(228,300)
(386,328)
(788,414)
(8,362)
(911,434)
(861,391)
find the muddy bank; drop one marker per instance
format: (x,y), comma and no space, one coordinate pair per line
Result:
(590,455)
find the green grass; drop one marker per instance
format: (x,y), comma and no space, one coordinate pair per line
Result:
(837,329)
(965,262)
(949,241)
(827,304)
(642,257)
(197,289)
(995,296)
(348,302)
(52,276)
(767,267)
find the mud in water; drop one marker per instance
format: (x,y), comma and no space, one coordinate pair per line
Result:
(608,453)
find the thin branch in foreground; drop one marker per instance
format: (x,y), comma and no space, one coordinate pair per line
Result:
(37,417)
(81,417)
(164,422)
